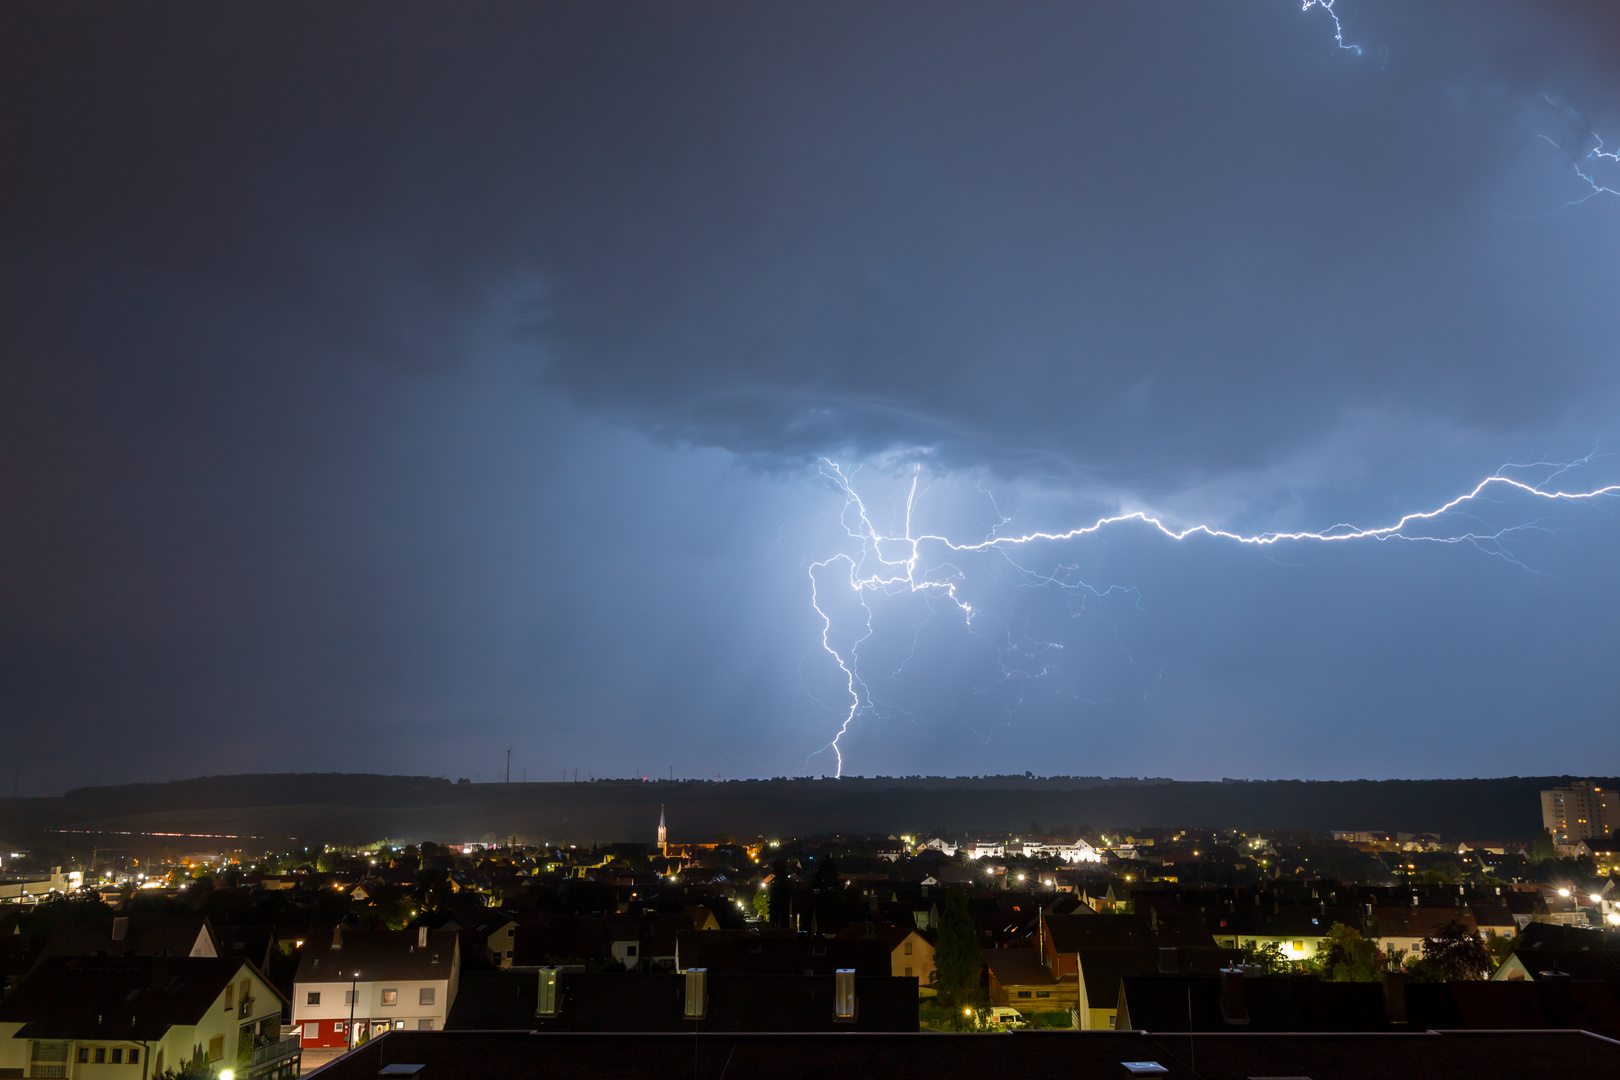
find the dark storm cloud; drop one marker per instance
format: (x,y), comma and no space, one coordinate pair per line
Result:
(1146,241)
(327,333)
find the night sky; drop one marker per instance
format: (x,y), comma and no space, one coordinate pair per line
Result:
(382,387)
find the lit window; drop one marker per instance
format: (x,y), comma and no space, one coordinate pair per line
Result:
(390,997)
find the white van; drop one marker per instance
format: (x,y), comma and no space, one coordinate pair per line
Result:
(1006,1017)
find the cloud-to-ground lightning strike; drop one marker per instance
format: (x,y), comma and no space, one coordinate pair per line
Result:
(894,564)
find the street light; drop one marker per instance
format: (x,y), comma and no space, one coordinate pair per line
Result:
(354,995)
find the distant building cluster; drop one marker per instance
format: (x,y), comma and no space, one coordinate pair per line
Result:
(267,966)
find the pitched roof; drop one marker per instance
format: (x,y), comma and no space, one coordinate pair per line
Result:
(1418,921)
(1071,933)
(1294,920)
(139,997)
(1018,967)
(780,952)
(1102,969)
(135,935)
(379,954)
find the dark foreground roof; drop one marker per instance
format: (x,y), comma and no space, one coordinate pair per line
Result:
(1078,1055)
(780,952)
(505,1001)
(1292,1003)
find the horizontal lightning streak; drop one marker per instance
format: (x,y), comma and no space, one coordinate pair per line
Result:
(874,571)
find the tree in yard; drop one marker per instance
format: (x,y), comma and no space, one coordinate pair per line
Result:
(1268,958)
(1346,956)
(1456,952)
(1541,848)
(1500,947)
(825,878)
(957,964)
(780,893)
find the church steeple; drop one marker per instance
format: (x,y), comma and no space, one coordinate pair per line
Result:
(663,834)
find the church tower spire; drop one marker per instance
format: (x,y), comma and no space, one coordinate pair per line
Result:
(663,834)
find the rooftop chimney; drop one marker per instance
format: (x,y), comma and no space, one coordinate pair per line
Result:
(1233,1009)
(696,1003)
(120,928)
(337,936)
(421,937)
(844,1000)
(1556,1003)
(1395,997)
(546,1003)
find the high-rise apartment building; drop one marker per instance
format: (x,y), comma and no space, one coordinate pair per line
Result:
(1579,812)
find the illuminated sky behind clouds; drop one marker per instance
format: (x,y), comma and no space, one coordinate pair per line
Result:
(384,388)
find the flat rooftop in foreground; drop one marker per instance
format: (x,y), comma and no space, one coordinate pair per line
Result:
(440,1055)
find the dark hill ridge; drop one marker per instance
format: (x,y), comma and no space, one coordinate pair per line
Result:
(356,808)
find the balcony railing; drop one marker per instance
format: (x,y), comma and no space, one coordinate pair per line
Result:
(270,1054)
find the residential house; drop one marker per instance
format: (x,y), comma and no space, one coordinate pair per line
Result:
(496,938)
(1019,980)
(1406,927)
(1494,920)
(1296,929)
(354,984)
(1090,953)
(910,954)
(132,1017)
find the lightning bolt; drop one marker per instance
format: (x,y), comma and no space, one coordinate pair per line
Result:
(895,565)
(1588,161)
(1338,27)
